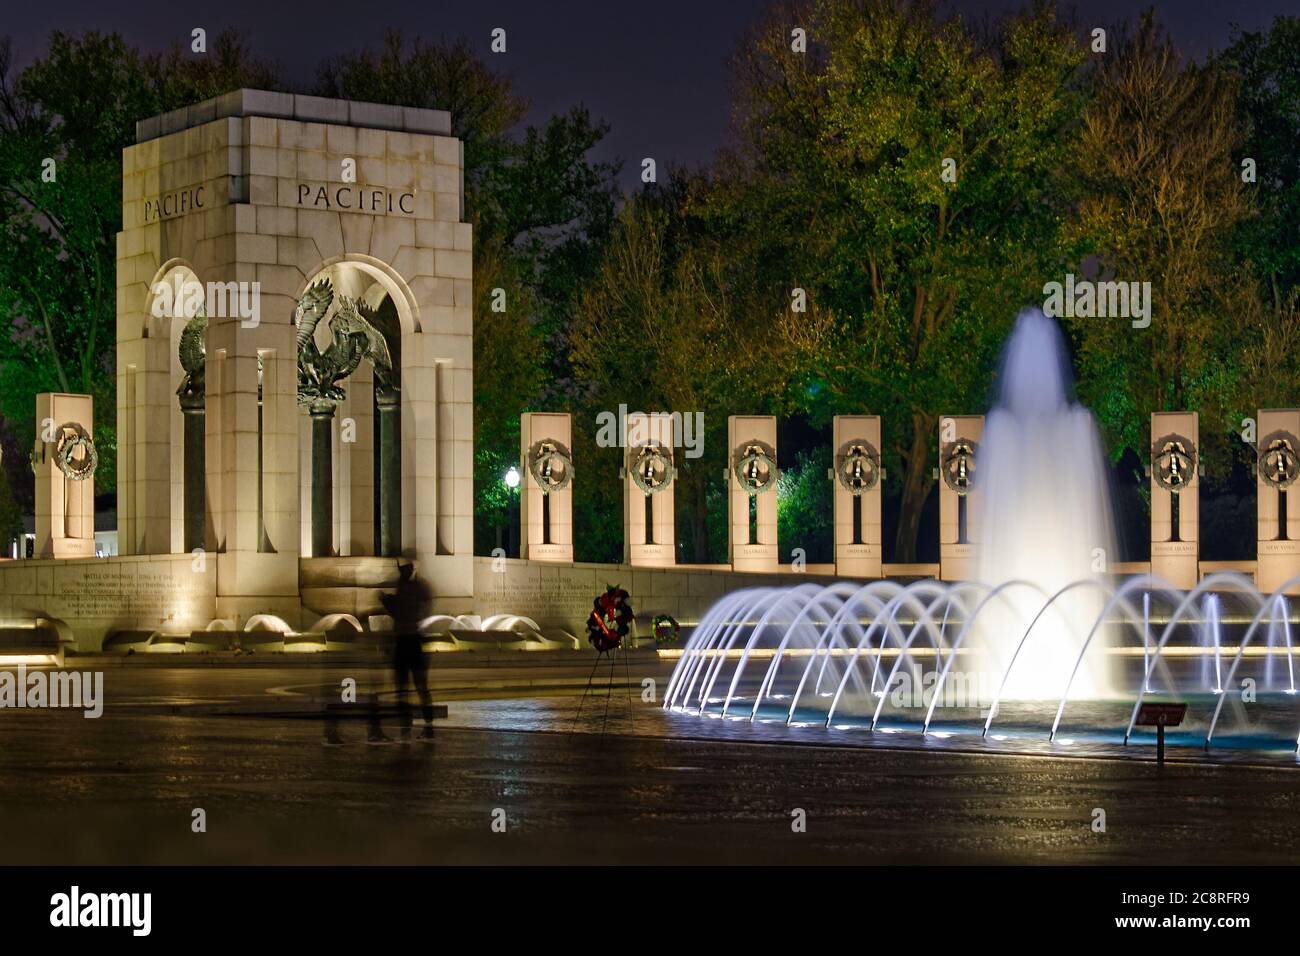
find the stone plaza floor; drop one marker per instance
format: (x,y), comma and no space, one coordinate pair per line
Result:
(625,783)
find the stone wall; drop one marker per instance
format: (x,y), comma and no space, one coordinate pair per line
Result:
(95,597)
(561,595)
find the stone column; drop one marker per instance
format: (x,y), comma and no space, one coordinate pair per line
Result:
(858,475)
(194,474)
(649,514)
(1175,497)
(752,475)
(390,471)
(1277,498)
(546,493)
(959,532)
(65,506)
(322,482)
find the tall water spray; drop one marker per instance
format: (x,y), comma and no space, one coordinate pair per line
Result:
(1044,511)
(1038,624)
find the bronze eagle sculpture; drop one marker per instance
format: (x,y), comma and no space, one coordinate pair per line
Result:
(353,338)
(192,351)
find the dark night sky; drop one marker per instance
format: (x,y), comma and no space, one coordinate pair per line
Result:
(655,71)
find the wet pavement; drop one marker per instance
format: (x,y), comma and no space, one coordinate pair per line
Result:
(623,781)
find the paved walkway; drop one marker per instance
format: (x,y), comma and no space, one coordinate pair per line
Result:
(122,789)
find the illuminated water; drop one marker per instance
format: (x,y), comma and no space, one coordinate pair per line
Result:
(1043,512)
(1045,625)
(894,658)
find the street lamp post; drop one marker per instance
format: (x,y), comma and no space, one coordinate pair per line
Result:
(512,479)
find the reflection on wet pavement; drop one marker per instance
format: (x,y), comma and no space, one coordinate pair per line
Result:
(653,787)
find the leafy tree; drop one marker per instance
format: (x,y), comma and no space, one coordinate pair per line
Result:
(1161,199)
(509,364)
(665,326)
(837,187)
(540,207)
(76,108)
(1267,65)
(805,512)
(1268,243)
(11,515)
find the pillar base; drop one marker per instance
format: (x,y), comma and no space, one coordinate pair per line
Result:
(1176,562)
(69,548)
(554,553)
(859,560)
(1278,562)
(752,558)
(958,562)
(652,556)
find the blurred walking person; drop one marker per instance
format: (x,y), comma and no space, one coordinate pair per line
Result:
(408,606)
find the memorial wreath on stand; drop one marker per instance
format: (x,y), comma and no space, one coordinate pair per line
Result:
(610,620)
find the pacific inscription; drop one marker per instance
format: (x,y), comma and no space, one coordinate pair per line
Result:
(178,202)
(356,198)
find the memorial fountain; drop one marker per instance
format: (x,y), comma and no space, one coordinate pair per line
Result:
(1046,516)
(1046,639)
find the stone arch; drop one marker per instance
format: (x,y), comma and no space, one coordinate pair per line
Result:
(382,275)
(153,326)
(177,275)
(366,467)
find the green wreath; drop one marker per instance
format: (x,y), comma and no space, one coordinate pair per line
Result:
(858,467)
(1173,462)
(656,626)
(959,464)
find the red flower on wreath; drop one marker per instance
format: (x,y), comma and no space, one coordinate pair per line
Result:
(610,620)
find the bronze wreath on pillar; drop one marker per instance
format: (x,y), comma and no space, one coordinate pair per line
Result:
(755,468)
(958,465)
(75,452)
(652,469)
(550,465)
(1173,462)
(857,467)
(1279,464)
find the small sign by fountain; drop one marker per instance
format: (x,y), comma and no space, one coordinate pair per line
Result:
(1161,716)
